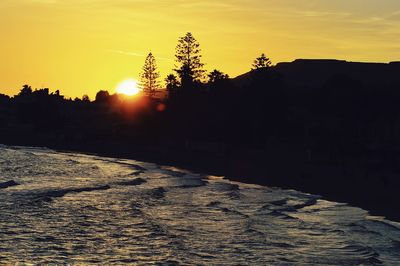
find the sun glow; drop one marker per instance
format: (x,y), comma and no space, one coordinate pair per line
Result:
(128,87)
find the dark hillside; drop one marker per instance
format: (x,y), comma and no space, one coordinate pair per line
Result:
(304,73)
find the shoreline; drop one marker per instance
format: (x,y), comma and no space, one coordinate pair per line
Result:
(264,171)
(274,174)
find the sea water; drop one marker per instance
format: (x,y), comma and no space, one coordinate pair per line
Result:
(70,208)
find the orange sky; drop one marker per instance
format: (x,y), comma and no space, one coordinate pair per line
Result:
(82,46)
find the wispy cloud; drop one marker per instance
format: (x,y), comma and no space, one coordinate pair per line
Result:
(138,54)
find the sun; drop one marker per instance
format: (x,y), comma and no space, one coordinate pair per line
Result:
(128,87)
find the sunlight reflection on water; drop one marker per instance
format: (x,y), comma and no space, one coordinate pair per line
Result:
(80,209)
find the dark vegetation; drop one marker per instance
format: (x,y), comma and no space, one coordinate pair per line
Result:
(322,126)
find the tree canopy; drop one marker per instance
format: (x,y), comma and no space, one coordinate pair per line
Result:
(216,75)
(188,57)
(149,76)
(261,62)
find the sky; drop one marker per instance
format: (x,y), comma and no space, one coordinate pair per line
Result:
(83,46)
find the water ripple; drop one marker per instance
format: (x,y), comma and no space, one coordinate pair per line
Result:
(74,209)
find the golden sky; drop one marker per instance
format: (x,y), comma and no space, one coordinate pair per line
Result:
(82,46)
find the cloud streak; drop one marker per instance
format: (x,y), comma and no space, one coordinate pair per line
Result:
(138,54)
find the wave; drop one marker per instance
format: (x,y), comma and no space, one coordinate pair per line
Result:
(365,254)
(216,178)
(8,184)
(137,173)
(191,183)
(118,161)
(385,224)
(396,243)
(31,148)
(158,193)
(70,161)
(135,166)
(283,245)
(286,205)
(234,195)
(225,186)
(279,202)
(227,210)
(213,204)
(309,202)
(134,182)
(174,173)
(51,194)
(281,215)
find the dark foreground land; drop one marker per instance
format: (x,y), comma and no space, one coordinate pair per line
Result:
(320,126)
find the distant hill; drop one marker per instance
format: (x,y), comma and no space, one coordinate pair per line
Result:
(312,73)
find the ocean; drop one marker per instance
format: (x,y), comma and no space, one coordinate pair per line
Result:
(77,209)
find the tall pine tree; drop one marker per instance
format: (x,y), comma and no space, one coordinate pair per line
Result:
(149,76)
(190,69)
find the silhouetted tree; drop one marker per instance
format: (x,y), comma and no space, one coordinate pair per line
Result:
(85,98)
(172,84)
(25,91)
(216,76)
(102,96)
(44,92)
(149,76)
(57,95)
(189,58)
(261,62)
